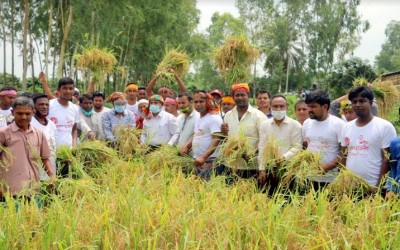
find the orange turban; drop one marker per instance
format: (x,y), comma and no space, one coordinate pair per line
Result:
(131,86)
(227,99)
(116,96)
(241,86)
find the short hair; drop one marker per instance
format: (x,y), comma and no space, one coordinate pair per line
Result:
(299,103)
(363,91)
(22,101)
(85,96)
(141,88)
(65,81)
(99,94)
(8,88)
(264,92)
(279,95)
(27,94)
(189,97)
(318,96)
(39,96)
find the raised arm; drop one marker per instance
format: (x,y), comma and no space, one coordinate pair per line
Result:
(46,88)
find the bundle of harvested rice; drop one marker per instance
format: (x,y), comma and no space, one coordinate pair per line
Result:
(360,81)
(66,155)
(93,154)
(271,156)
(387,97)
(303,166)
(178,61)
(168,157)
(348,183)
(128,142)
(96,61)
(237,151)
(234,59)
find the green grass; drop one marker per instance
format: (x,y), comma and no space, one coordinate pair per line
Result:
(137,205)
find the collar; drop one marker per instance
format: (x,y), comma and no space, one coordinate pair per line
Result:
(15,128)
(115,113)
(285,120)
(161,114)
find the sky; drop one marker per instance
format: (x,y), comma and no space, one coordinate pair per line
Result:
(378,12)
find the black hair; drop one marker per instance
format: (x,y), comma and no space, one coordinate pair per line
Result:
(279,95)
(264,92)
(189,97)
(27,94)
(299,103)
(363,91)
(99,94)
(8,88)
(318,96)
(65,81)
(85,96)
(39,96)
(142,88)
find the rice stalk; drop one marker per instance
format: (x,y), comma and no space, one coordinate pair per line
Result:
(175,59)
(168,157)
(234,59)
(387,97)
(349,184)
(128,142)
(272,157)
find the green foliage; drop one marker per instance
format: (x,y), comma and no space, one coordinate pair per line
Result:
(389,57)
(9,80)
(340,80)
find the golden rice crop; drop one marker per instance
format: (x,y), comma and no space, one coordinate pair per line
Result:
(96,60)
(129,144)
(6,158)
(236,151)
(234,59)
(93,154)
(271,156)
(302,167)
(387,97)
(168,157)
(175,59)
(350,184)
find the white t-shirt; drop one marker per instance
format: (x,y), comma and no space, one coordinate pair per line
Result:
(5,116)
(204,127)
(64,118)
(364,145)
(97,118)
(49,132)
(134,109)
(324,137)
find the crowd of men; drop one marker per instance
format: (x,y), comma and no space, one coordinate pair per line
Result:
(346,131)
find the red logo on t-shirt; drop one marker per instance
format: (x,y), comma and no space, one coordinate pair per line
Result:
(53,119)
(69,121)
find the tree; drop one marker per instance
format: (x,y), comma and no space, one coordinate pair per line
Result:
(340,80)
(25,44)
(388,58)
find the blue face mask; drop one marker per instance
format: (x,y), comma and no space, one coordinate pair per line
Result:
(88,113)
(155,108)
(119,109)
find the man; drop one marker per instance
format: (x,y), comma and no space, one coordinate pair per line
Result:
(142,93)
(99,110)
(186,119)
(205,139)
(347,112)
(366,140)
(285,131)
(28,147)
(160,127)
(171,106)
(322,134)
(227,104)
(217,95)
(7,96)
(393,181)
(131,92)
(48,128)
(263,102)
(88,124)
(65,116)
(244,119)
(142,106)
(165,92)
(301,111)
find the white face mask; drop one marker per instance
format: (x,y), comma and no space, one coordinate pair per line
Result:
(278,114)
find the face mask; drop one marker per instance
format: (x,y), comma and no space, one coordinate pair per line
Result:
(185,110)
(155,109)
(278,115)
(88,113)
(119,109)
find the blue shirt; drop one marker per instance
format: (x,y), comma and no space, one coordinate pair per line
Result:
(111,122)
